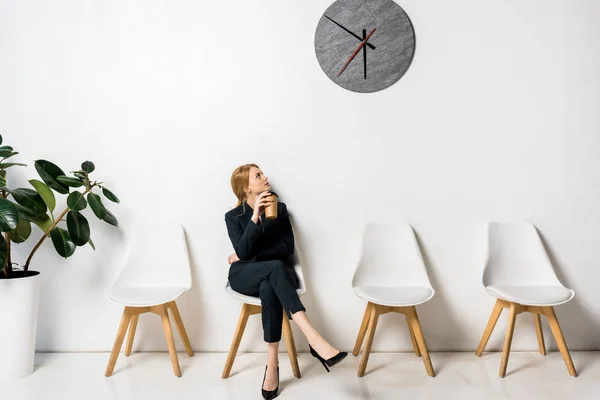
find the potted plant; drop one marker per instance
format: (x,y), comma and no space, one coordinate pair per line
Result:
(20,209)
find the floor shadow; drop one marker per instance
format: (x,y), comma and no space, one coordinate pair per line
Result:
(373,369)
(283,383)
(514,370)
(239,370)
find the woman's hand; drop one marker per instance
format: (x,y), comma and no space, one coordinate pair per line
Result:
(233,258)
(259,205)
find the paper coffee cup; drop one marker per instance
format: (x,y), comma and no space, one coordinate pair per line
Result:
(271,210)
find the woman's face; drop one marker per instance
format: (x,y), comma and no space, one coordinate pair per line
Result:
(258,182)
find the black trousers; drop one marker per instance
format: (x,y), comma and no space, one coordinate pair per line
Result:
(273,283)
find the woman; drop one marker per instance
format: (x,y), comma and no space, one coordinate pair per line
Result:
(260,266)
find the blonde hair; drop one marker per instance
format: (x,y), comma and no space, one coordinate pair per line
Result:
(240,178)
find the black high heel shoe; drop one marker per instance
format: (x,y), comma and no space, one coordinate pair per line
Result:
(270,394)
(329,362)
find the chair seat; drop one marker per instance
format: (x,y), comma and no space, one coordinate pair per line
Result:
(532,295)
(144,296)
(395,296)
(252,299)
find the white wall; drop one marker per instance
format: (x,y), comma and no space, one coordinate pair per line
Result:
(496,119)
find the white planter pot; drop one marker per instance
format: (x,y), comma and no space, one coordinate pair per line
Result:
(18,324)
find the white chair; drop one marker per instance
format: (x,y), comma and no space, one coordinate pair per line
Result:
(252,305)
(155,272)
(519,274)
(391,277)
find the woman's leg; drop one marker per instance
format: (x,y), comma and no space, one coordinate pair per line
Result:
(314,338)
(272,318)
(272,312)
(283,287)
(271,380)
(251,279)
(246,278)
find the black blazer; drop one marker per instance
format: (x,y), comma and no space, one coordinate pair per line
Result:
(265,241)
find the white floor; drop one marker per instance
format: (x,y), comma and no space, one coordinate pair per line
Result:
(148,376)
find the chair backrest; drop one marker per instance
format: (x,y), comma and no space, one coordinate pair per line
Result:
(390,257)
(301,281)
(156,255)
(516,256)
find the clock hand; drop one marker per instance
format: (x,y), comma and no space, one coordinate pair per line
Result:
(350,32)
(356,52)
(365,54)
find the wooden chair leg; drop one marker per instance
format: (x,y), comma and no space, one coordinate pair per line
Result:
(118,341)
(416,326)
(164,315)
(489,328)
(512,317)
(369,337)
(237,338)
(363,329)
(291,345)
(181,329)
(537,320)
(131,334)
(560,340)
(413,338)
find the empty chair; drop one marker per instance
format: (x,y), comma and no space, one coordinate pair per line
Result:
(155,272)
(519,274)
(391,277)
(252,305)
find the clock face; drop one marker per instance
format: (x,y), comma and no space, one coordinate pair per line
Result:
(364,45)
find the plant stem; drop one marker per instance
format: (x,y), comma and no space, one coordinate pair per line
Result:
(7,268)
(37,246)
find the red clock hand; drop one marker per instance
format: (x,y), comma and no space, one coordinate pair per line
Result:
(356,52)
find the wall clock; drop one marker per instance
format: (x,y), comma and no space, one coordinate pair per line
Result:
(364,45)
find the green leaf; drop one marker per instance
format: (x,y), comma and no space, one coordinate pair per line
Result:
(11,164)
(88,167)
(31,199)
(96,205)
(3,251)
(9,215)
(110,195)
(8,153)
(43,221)
(76,201)
(92,244)
(21,232)
(79,228)
(80,175)
(110,218)
(45,192)
(73,182)
(49,172)
(25,212)
(62,242)
(0,139)
(2,181)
